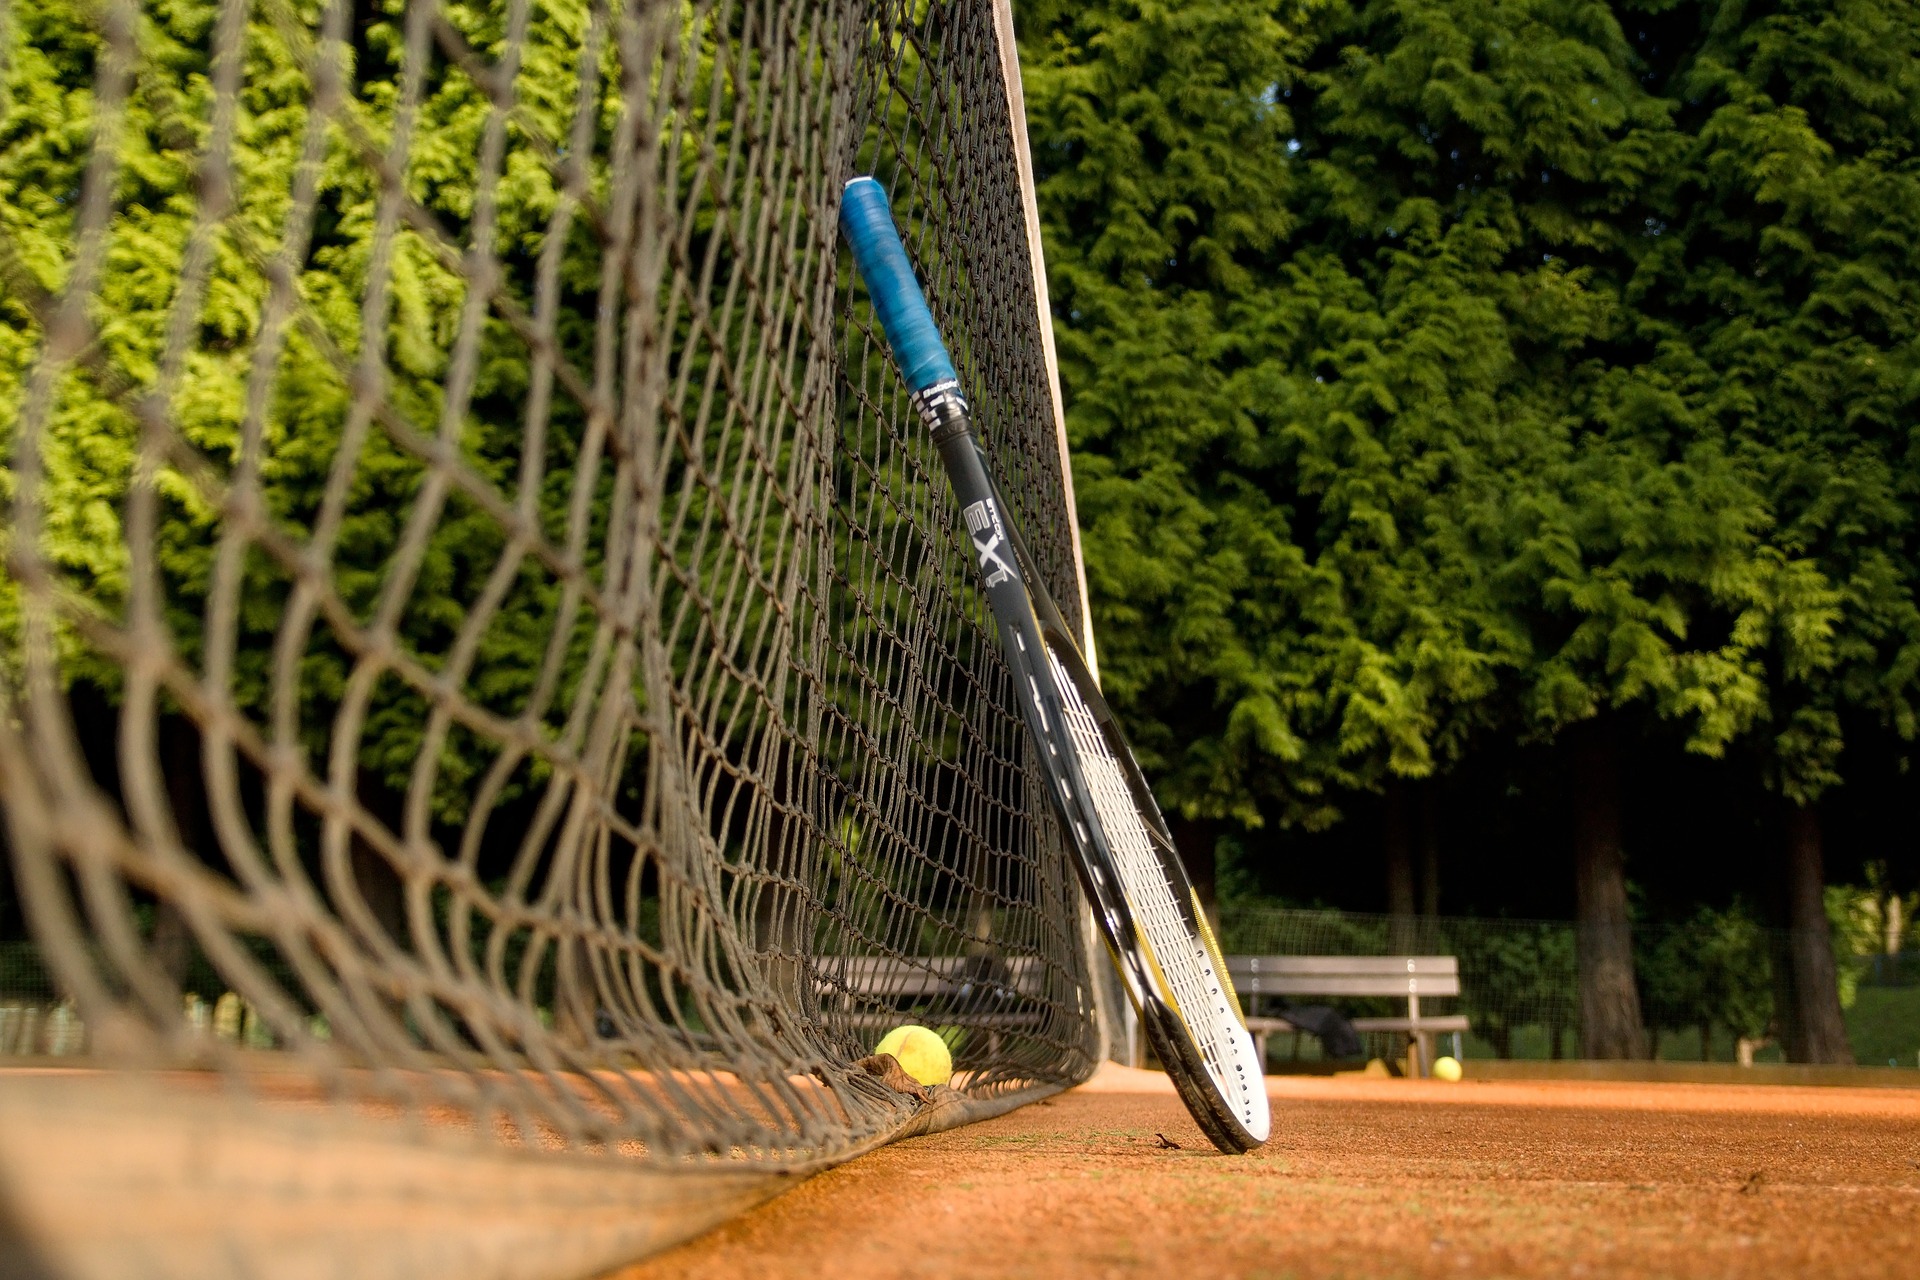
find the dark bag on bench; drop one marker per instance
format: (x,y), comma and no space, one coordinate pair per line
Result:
(1338,1039)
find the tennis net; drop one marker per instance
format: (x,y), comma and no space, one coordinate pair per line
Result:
(488,655)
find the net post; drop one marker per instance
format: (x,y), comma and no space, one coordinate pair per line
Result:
(1119,1025)
(1120,1036)
(1023,161)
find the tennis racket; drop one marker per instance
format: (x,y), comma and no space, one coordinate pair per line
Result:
(1166,954)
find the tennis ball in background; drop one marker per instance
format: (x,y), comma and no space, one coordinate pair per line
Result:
(920,1053)
(1447,1069)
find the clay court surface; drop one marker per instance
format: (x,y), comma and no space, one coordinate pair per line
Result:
(1367,1178)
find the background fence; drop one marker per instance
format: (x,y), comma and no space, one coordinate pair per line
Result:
(1706,984)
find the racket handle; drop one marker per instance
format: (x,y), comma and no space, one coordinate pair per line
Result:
(867,222)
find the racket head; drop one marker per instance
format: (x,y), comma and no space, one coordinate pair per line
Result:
(1148,911)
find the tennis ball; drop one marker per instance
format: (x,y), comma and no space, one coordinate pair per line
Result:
(920,1053)
(1447,1069)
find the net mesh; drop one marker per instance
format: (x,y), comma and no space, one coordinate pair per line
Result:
(483,624)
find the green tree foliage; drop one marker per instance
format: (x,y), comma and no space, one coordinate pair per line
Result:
(1713,970)
(301,400)
(1437,368)
(1161,147)
(1514,976)
(1784,292)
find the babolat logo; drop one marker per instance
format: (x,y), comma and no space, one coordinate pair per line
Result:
(983,522)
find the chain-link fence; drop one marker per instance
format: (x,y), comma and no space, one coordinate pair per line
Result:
(34,1020)
(1890,969)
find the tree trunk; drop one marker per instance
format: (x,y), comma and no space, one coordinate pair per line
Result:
(1815,1031)
(1430,849)
(1610,1024)
(179,742)
(172,941)
(11,925)
(1398,846)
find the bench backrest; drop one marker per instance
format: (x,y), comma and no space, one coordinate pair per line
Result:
(921,976)
(1345,975)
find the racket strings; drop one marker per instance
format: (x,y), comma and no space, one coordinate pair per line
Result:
(1198,992)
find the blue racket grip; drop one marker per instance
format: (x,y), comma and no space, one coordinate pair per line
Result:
(867,222)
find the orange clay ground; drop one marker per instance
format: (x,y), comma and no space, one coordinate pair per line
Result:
(1372,1178)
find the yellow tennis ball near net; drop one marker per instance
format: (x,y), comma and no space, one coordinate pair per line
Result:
(1447,1069)
(920,1053)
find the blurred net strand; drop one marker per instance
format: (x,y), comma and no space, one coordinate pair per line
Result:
(719,706)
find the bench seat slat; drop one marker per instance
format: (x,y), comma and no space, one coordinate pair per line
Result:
(1263,984)
(928,977)
(959,1017)
(902,984)
(1257,1025)
(1330,966)
(863,971)
(1444,1023)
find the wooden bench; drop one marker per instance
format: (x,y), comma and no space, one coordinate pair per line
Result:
(1404,977)
(989,993)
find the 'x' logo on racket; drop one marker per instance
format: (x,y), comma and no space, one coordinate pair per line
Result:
(990,562)
(981,520)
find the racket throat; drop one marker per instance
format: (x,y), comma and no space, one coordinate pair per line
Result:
(944,410)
